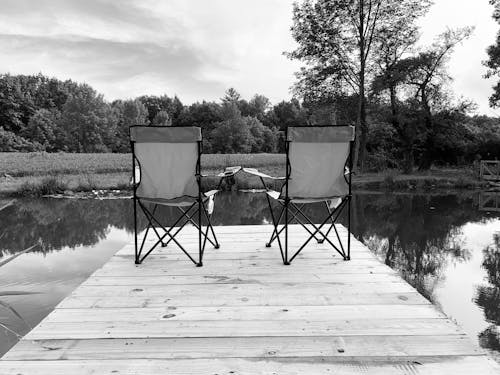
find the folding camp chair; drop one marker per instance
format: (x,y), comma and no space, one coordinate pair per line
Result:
(166,165)
(318,169)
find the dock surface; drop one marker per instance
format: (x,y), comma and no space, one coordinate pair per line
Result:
(244,312)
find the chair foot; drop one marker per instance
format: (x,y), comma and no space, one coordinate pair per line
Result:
(347,258)
(286,263)
(321,241)
(137,261)
(217,246)
(268,244)
(199,264)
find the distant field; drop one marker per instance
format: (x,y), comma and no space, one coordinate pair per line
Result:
(21,164)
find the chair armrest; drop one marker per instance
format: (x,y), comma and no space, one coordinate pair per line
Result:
(255,172)
(137,172)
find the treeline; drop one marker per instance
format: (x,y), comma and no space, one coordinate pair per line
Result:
(38,113)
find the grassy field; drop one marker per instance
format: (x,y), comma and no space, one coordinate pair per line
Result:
(42,173)
(36,174)
(41,163)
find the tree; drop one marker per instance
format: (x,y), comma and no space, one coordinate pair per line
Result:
(257,107)
(337,40)
(493,62)
(285,114)
(426,74)
(394,42)
(42,129)
(231,96)
(232,135)
(156,104)
(415,85)
(88,121)
(205,115)
(162,118)
(263,139)
(10,142)
(129,113)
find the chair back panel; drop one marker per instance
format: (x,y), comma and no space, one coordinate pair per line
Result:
(167,166)
(317,161)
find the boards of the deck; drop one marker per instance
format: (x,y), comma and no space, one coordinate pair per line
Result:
(246,313)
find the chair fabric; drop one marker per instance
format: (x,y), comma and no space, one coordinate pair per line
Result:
(321,134)
(167,158)
(165,134)
(167,170)
(317,162)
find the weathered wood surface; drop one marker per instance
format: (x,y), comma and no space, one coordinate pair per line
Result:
(490,170)
(246,313)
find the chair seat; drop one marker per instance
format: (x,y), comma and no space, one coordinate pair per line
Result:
(181,201)
(334,202)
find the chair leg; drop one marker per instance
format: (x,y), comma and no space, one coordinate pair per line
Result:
(336,212)
(200,250)
(209,226)
(275,232)
(185,214)
(275,225)
(349,228)
(135,232)
(152,219)
(286,262)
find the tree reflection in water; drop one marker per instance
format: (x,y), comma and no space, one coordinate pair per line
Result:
(418,235)
(488,296)
(60,223)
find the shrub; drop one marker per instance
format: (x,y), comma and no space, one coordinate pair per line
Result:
(47,186)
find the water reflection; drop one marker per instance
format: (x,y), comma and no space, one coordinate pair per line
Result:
(489,201)
(488,296)
(421,236)
(415,234)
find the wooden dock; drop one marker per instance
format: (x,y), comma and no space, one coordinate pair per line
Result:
(246,313)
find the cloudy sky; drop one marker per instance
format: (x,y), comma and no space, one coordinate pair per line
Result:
(196,49)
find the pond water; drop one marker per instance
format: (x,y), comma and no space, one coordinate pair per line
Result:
(445,245)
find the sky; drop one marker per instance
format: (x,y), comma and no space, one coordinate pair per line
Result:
(196,49)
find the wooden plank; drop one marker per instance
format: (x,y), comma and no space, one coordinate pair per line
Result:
(256,299)
(161,348)
(456,365)
(225,313)
(240,290)
(242,328)
(272,263)
(213,255)
(268,278)
(210,268)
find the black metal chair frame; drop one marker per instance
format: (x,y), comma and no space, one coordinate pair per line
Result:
(294,211)
(186,215)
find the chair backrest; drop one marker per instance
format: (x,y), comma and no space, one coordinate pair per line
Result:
(317,157)
(168,158)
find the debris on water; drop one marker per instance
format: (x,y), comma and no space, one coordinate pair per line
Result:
(94,194)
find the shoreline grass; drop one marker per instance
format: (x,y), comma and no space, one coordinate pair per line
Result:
(37,174)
